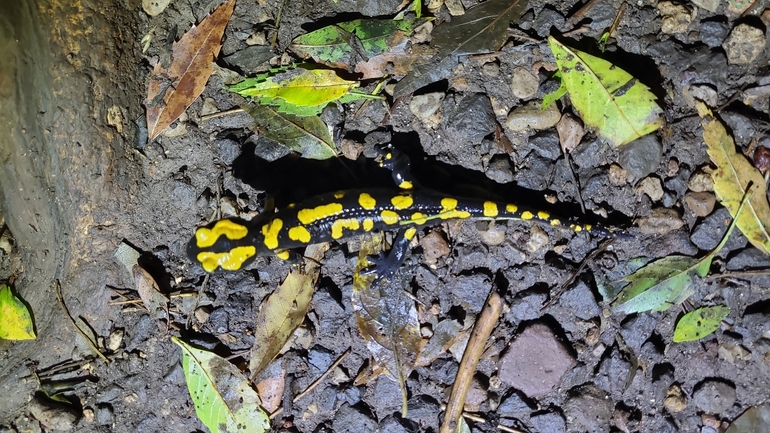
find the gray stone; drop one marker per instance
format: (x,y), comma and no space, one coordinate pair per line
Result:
(713,33)
(524,84)
(535,361)
(709,5)
(714,396)
(425,106)
(499,169)
(641,157)
(549,422)
(474,117)
(351,419)
(710,231)
(52,417)
(588,410)
(250,59)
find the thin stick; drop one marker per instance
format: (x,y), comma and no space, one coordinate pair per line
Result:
(582,12)
(481,332)
(315,383)
(221,114)
(500,427)
(59,297)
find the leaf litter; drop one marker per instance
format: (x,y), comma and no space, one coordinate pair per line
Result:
(170,91)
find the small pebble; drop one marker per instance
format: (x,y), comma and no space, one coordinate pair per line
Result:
(673,167)
(714,396)
(675,18)
(702,92)
(115,340)
(491,69)
(700,181)
(660,222)
(493,235)
(435,247)
(202,314)
(709,5)
(425,106)
(538,239)
(744,44)
(700,203)
(675,400)
(618,175)
(530,116)
(524,85)
(652,187)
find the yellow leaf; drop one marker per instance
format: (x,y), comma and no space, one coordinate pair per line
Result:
(15,320)
(732,177)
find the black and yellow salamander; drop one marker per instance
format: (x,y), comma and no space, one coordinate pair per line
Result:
(233,243)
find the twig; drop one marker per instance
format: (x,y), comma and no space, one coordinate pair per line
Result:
(221,114)
(481,332)
(757,273)
(582,12)
(603,246)
(315,383)
(500,427)
(59,297)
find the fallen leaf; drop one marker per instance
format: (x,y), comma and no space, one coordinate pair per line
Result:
(223,399)
(172,90)
(366,46)
(668,281)
(482,29)
(732,177)
(284,310)
(153,299)
(606,97)
(386,317)
(307,135)
(15,320)
(699,323)
(299,91)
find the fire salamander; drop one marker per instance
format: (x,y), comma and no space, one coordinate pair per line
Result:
(233,243)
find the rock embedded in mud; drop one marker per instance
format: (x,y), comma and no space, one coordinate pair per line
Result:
(535,361)
(700,203)
(714,396)
(675,18)
(660,222)
(530,116)
(524,84)
(589,409)
(744,44)
(641,157)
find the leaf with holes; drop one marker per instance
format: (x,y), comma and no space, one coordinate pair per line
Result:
(224,401)
(699,323)
(607,98)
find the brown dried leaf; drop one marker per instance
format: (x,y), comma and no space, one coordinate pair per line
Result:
(172,90)
(152,298)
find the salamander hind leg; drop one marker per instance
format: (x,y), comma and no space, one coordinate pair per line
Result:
(386,265)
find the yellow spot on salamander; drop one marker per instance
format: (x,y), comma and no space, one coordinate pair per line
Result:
(368,224)
(410,232)
(402,201)
(406,185)
(283,254)
(490,209)
(309,216)
(270,231)
(588,227)
(544,215)
(346,223)
(389,217)
(229,261)
(292,205)
(527,215)
(367,201)
(449,210)
(299,233)
(512,208)
(576,228)
(205,237)
(339,194)
(555,222)
(418,218)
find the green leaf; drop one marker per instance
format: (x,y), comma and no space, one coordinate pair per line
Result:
(668,281)
(303,92)
(366,46)
(554,96)
(307,135)
(699,323)
(732,177)
(606,97)
(15,320)
(483,29)
(224,401)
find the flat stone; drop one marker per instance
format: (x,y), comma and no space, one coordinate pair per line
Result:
(709,5)
(713,33)
(549,422)
(349,418)
(53,418)
(714,396)
(524,84)
(641,157)
(744,44)
(700,203)
(425,106)
(530,116)
(660,222)
(535,361)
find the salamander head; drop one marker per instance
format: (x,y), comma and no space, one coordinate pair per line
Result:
(222,244)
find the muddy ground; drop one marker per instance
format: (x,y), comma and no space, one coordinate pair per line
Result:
(78,179)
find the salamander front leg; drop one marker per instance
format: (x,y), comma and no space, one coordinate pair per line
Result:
(386,265)
(399,164)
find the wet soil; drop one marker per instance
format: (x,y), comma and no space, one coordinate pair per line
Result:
(78,179)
